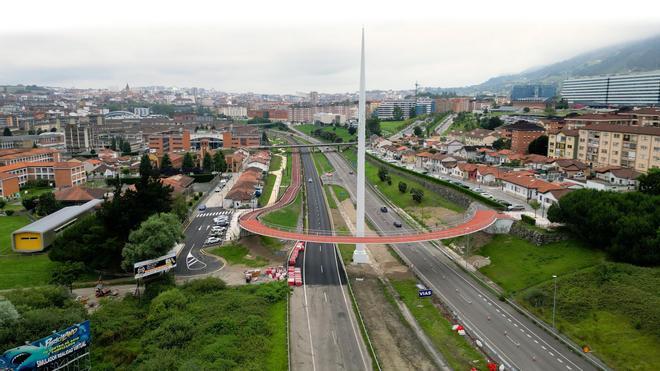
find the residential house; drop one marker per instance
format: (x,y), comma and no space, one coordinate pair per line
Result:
(525,186)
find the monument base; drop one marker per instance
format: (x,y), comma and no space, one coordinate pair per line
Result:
(360,255)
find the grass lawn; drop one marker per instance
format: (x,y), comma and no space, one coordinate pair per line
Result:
(346,252)
(272,243)
(268,189)
(388,128)
(404,200)
(8,224)
(341,132)
(17,271)
(35,192)
(322,164)
(278,356)
(286,217)
(456,350)
(275,163)
(331,201)
(517,264)
(286,173)
(340,192)
(237,254)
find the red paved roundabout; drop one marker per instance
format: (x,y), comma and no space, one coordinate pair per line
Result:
(250,221)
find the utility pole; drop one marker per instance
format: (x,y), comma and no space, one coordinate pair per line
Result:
(360,254)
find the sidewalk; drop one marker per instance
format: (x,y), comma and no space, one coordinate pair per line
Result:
(278,181)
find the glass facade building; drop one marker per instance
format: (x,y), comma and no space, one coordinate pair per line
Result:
(615,90)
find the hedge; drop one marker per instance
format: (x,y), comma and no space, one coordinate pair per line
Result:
(476,196)
(528,219)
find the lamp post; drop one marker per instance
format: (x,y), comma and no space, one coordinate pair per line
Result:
(554,303)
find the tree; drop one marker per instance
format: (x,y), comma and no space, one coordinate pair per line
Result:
(649,183)
(412,112)
(113,144)
(155,237)
(526,109)
(166,164)
(7,132)
(3,203)
(29,203)
(264,138)
(126,148)
(146,168)
(397,113)
(539,146)
(550,110)
(417,131)
(383,174)
(207,162)
(47,204)
(219,162)
(8,312)
(403,187)
(373,126)
(417,194)
(66,273)
(491,123)
(535,205)
(180,207)
(502,143)
(352,130)
(188,162)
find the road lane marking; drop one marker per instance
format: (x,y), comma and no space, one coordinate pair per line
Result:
(321,268)
(325,296)
(309,326)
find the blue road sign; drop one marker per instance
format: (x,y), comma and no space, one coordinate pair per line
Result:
(425,293)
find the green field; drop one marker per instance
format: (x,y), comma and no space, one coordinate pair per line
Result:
(456,350)
(331,201)
(268,189)
(8,224)
(517,264)
(340,192)
(275,163)
(272,243)
(322,164)
(24,270)
(237,254)
(286,173)
(388,128)
(286,217)
(404,200)
(341,132)
(613,308)
(35,192)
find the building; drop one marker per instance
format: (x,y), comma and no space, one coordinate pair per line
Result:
(14,156)
(80,137)
(563,143)
(43,140)
(522,134)
(39,235)
(455,104)
(169,141)
(63,174)
(386,109)
(141,111)
(646,117)
(9,185)
(233,111)
(634,147)
(525,186)
(424,106)
(532,92)
(243,194)
(79,195)
(614,90)
(326,118)
(305,113)
(580,121)
(241,136)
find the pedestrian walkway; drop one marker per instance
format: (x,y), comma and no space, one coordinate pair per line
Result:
(278,181)
(214,213)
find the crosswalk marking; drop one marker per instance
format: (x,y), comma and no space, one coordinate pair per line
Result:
(214,213)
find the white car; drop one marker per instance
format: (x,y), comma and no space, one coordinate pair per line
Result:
(516,208)
(212,240)
(217,228)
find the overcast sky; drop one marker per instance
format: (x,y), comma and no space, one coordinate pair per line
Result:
(290,46)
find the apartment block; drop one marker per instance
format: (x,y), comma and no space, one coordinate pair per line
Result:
(14,156)
(243,136)
(581,121)
(563,143)
(169,141)
(522,134)
(44,140)
(633,147)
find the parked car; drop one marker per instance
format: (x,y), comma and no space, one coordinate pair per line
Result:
(212,240)
(397,224)
(309,180)
(383,209)
(479,190)
(505,203)
(201,207)
(217,189)
(516,208)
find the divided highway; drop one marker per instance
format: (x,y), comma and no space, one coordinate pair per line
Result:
(328,338)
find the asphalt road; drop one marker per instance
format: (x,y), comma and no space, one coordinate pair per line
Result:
(336,341)
(510,336)
(191,260)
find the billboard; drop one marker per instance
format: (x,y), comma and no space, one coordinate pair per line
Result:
(51,352)
(153,266)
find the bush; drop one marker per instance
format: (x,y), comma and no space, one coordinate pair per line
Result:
(9,212)
(528,219)
(205,285)
(536,297)
(403,187)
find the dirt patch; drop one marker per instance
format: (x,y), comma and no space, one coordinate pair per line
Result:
(478,261)
(395,343)
(435,217)
(256,248)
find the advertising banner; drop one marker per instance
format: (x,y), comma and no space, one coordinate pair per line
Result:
(49,353)
(153,266)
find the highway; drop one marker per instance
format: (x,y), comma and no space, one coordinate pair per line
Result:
(191,261)
(334,339)
(509,336)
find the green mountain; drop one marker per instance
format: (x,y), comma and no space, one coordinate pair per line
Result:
(637,56)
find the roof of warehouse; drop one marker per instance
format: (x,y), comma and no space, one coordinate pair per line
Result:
(59,218)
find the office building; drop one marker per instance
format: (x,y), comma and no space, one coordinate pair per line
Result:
(634,147)
(424,106)
(535,92)
(641,89)
(386,109)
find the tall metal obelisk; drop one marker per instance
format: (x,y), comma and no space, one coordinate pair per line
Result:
(360,254)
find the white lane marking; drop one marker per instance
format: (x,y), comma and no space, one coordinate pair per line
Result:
(321,268)
(568,367)
(325,296)
(309,326)
(543,347)
(200,228)
(334,336)
(559,360)
(551,354)
(515,324)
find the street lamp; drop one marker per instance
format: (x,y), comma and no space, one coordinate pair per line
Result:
(554,302)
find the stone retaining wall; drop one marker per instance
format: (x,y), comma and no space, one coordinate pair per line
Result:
(538,238)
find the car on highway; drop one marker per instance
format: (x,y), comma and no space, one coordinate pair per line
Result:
(212,240)
(383,209)
(217,189)
(351,172)
(201,207)
(398,224)
(516,208)
(309,180)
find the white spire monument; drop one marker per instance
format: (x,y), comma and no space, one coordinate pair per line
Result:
(360,254)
